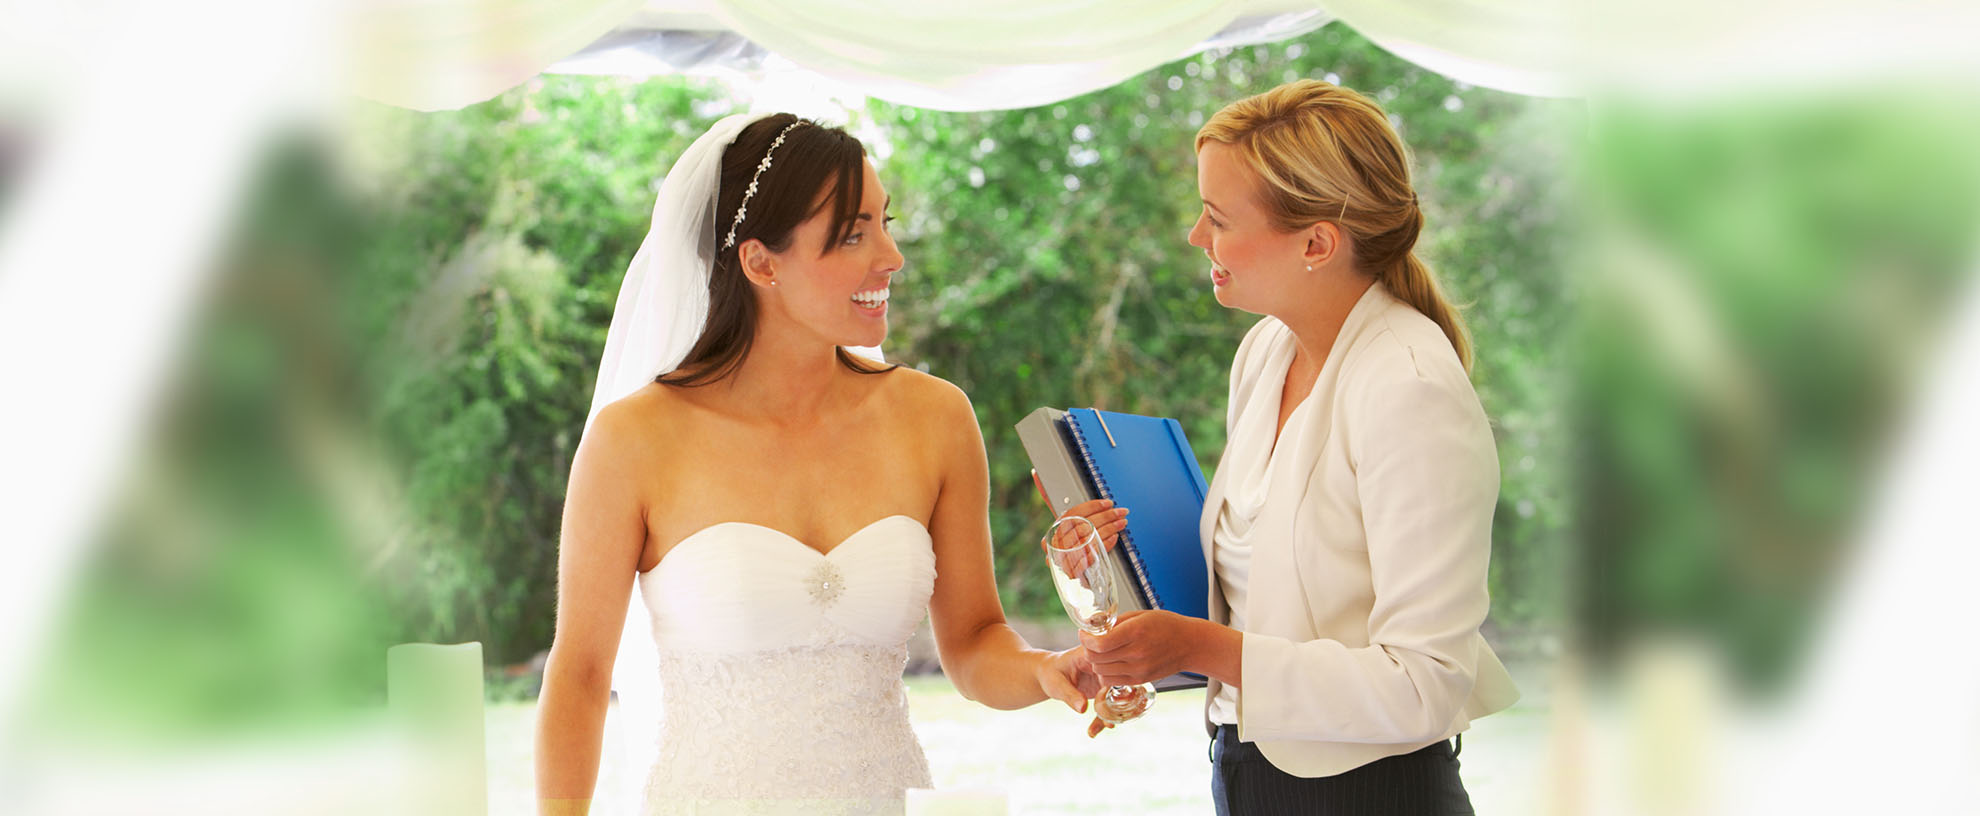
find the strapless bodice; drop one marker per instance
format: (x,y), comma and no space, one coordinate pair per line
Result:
(780,670)
(740,587)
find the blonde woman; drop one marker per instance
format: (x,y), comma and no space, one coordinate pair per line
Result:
(1349,524)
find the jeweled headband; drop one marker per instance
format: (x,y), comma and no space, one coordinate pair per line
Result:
(742,210)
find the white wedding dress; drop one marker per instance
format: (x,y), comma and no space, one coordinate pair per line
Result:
(780,670)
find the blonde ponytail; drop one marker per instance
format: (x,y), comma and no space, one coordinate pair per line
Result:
(1412,282)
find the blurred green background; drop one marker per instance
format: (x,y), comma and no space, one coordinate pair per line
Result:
(1771,279)
(1696,325)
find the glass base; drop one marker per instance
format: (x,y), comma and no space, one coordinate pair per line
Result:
(1118,704)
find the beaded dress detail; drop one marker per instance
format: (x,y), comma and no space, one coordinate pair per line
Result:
(780,670)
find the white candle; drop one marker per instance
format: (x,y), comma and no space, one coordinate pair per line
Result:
(956,802)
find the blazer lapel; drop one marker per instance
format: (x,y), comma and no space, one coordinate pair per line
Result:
(1213,503)
(1275,582)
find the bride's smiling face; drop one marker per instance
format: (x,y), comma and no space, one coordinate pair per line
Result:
(836,285)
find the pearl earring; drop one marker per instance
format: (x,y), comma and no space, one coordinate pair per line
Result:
(1309,267)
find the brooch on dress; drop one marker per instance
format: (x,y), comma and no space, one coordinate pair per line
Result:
(825,583)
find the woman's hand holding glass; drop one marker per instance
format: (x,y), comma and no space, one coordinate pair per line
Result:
(1090,590)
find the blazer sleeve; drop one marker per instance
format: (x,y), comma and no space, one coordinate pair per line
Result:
(1427,476)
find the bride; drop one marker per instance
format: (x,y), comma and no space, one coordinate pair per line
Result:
(787,510)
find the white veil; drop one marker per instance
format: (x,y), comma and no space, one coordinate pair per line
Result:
(662,307)
(663,302)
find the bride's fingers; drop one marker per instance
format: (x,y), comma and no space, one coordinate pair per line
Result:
(1059,678)
(1065,692)
(1094,728)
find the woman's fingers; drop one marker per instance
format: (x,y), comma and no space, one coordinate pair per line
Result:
(1111,531)
(1101,512)
(1107,522)
(1068,536)
(1089,509)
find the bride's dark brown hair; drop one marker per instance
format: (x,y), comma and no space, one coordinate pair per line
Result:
(811,158)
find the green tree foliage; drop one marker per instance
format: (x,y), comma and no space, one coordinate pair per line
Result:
(508,226)
(1047,265)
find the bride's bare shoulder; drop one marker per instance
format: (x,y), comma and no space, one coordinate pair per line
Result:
(642,419)
(924,398)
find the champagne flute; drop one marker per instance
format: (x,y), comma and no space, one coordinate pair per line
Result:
(1082,572)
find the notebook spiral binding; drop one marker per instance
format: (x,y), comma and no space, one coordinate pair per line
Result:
(1100,485)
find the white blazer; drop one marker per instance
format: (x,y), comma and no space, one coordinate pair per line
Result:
(1367,582)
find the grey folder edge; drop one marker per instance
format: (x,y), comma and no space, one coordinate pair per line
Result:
(1063,479)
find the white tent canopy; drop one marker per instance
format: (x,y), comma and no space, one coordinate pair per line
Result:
(440,54)
(437,54)
(973,69)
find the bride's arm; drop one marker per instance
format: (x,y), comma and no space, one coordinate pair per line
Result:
(603,533)
(986,660)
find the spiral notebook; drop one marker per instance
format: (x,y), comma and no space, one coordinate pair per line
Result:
(1146,465)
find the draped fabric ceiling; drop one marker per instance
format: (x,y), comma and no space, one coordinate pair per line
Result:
(969,56)
(955,55)
(440,54)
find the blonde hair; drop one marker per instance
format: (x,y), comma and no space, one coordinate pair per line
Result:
(1326,153)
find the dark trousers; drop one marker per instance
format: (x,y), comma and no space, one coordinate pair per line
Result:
(1420,783)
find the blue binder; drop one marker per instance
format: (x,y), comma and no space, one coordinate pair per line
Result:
(1145,464)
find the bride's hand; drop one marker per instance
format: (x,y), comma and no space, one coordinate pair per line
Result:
(1068,677)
